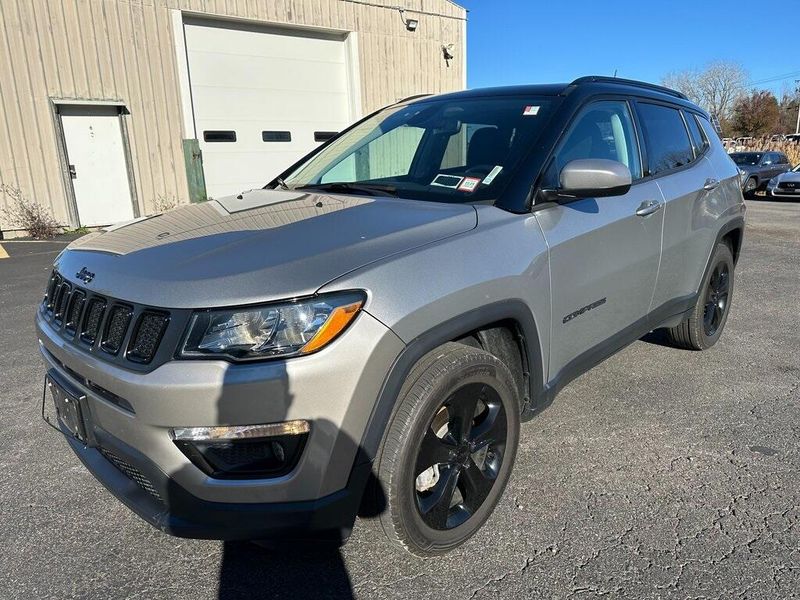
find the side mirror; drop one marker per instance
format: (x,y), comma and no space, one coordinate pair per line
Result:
(594,178)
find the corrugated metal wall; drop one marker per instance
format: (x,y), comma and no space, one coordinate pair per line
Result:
(123,50)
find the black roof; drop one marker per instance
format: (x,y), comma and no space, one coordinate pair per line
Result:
(592,84)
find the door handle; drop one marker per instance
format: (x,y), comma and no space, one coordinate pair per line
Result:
(710,184)
(72,172)
(648,207)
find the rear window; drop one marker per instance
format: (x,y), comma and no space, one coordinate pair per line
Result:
(666,139)
(698,139)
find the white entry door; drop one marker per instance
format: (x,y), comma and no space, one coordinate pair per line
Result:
(262,98)
(96,158)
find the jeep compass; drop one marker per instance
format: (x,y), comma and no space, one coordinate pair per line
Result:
(366,333)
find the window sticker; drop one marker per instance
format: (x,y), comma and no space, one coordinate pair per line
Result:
(492,174)
(469,184)
(448,181)
(530,111)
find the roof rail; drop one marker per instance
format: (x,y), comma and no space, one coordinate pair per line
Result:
(631,82)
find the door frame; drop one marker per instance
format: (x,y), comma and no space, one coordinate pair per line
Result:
(63,156)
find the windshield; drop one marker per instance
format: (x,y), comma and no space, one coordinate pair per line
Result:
(746,158)
(448,150)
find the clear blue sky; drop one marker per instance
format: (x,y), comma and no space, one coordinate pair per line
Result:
(537,41)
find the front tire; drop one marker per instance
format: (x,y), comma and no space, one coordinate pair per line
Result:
(750,187)
(449,450)
(704,326)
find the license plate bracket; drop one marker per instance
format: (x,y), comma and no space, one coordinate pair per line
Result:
(69,411)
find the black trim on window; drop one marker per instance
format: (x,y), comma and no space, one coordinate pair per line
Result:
(276,136)
(698,153)
(324,136)
(219,136)
(649,174)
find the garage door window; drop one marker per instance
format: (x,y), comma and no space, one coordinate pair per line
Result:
(324,136)
(276,136)
(219,136)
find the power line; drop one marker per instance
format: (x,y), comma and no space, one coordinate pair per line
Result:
(775,78)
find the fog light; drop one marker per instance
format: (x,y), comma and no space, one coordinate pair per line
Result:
(244,451)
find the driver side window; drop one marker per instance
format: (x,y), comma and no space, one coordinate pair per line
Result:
(603,130)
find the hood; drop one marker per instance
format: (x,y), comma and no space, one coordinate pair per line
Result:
(788,176)
(749,168)
(263,245)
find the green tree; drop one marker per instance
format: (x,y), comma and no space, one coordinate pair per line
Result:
(756,114)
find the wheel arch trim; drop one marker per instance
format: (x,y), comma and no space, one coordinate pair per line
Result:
(453,328)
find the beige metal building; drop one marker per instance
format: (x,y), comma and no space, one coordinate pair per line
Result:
(114,109)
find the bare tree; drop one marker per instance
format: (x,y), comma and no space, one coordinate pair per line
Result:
(716,87)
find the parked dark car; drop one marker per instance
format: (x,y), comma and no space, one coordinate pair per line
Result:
(757,168)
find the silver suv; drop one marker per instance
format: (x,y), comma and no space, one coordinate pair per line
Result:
(366,333)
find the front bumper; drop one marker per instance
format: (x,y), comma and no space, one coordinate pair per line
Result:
(779,193)
(335,389)
(169,507)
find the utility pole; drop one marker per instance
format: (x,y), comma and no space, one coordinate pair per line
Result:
(797,93)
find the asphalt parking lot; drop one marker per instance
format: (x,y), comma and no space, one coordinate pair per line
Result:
(661,473)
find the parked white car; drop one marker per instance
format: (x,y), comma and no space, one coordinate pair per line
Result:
(785,185)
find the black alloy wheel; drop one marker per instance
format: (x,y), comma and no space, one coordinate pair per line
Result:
(460,456)
(716,298)
(448,452)
(703,325)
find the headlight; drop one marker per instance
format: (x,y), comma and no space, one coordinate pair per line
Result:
(742,175)
(772,182)
(271,330)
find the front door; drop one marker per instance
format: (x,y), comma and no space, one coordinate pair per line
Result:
(97,165)
(604,252)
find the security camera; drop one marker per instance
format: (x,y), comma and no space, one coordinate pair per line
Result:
(447,53)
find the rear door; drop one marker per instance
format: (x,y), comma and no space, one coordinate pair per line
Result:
(679,164)
(603,255)
(783,163)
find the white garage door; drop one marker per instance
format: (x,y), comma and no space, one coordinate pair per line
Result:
(262,98)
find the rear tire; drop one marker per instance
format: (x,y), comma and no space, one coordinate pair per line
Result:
(449,449)
(704,326)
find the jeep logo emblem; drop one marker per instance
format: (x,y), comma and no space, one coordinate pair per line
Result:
(85,275)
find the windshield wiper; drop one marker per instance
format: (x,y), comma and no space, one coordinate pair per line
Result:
(370,189)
